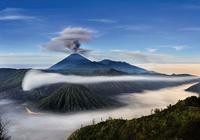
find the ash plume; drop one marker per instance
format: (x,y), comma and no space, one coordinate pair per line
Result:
(70,40)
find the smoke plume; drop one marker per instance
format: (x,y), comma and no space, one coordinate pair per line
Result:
(70,40)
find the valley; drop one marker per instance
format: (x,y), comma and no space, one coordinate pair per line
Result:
(62,125)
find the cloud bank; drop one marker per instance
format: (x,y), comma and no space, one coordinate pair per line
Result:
(47,126)
(35,79)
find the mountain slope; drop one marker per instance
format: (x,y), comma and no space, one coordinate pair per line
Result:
(124,67)
(76,61)
(180,121)
(77,64)
(195,88)
(74,98)
(70,62)
(12,78)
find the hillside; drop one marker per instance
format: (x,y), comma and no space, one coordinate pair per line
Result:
(11,78)
(195,88)
(125,67)
(75,98)
(180,121)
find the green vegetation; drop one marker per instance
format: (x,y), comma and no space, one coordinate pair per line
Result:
(74,98)
(180,121)
(3,133)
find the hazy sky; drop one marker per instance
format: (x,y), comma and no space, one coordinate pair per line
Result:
(137,31)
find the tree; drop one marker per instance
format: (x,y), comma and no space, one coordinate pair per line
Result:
(3,133)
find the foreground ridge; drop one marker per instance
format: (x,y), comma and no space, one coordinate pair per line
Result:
(180,121)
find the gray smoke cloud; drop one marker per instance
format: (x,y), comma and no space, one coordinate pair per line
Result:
(70,40)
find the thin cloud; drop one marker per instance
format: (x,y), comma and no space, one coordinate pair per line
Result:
(107,21)
(138,57)
(133,27)
(174,47)
(152,50)
(11,10)
(9,14)
(28,60)
(178,48)
(16,17)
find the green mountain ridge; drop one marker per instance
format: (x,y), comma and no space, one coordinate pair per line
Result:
(180,121)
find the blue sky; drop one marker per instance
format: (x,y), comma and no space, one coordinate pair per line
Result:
(137,31)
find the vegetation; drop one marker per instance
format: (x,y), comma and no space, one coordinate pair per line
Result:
(180,121)
(74,98)
(3,134)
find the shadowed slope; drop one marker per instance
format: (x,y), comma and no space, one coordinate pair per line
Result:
(74,98)
(194,88)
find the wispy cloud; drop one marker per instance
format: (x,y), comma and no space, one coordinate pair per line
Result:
(28,60)
(175,47)
(11,10)
(130,56)
(178,48)
(139,57)
(9,14)
(15,17)
(107,21)
(152,50)
(133,27)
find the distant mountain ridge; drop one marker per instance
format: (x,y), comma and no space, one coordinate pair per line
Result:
(76,62)
(194,88)
(123,66)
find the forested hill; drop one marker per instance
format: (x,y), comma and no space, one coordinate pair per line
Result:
(180,121)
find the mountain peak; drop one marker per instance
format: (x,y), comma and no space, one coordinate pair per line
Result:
(76,56)
(70,61)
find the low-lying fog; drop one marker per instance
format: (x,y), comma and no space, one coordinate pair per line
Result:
(39,126)
(35,79)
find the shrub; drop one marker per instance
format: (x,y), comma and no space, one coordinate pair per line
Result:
(3,133)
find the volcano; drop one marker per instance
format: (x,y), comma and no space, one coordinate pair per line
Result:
(75,98)
(78,64)
(73,61)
